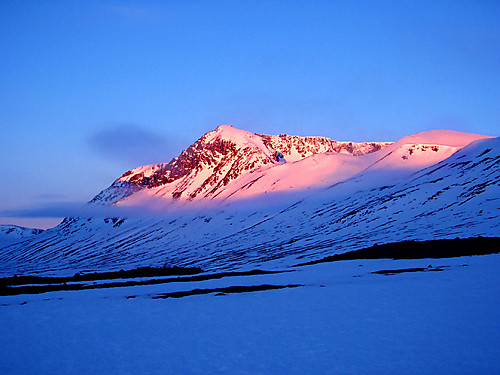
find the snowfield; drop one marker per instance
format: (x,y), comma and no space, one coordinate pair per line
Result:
(238,201)
(344,320)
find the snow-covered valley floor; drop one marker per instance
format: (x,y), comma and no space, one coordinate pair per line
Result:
(344,320)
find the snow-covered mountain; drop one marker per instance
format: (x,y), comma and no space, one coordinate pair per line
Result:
(230,163)
(205,168)
(256,202)
(13,233)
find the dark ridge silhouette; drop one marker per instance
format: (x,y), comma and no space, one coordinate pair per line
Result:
(223,291)
(10,290)
(447,248)
(129,274)
(404,270)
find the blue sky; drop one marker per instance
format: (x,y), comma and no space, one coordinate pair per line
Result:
(91,89)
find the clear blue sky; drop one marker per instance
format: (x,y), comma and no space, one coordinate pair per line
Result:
(90,89)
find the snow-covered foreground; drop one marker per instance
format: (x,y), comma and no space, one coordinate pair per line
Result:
(344,320)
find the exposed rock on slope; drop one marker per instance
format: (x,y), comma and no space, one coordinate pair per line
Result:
(220,157)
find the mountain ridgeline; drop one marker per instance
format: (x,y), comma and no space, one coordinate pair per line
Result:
(235,200)
(219,157)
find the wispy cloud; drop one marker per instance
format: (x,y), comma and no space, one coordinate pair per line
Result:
(158,208)
(78,209)
(134,146)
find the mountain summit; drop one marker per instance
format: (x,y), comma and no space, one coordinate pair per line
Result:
(204,169)
(229,163)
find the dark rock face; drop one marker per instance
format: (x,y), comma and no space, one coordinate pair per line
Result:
(304,146)
(355,149)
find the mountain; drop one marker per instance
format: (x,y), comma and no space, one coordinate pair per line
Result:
(205,168)
(229,163)
(13,233)
(250,207)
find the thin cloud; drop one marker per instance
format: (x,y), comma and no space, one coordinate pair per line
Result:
(159,208)
(133,145)
(78,209)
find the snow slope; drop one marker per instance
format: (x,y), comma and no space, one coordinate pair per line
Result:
(404,191)
(12,233)
(323,169)
(344,320)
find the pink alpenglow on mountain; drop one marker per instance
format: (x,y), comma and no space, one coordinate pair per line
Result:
(242,200)
(210,167)
(229,163)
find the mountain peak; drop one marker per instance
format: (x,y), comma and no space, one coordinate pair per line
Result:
(224,127)
(205,168)
(225,131)
(237,136)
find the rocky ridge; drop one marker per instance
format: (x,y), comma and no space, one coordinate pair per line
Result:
(221,156)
